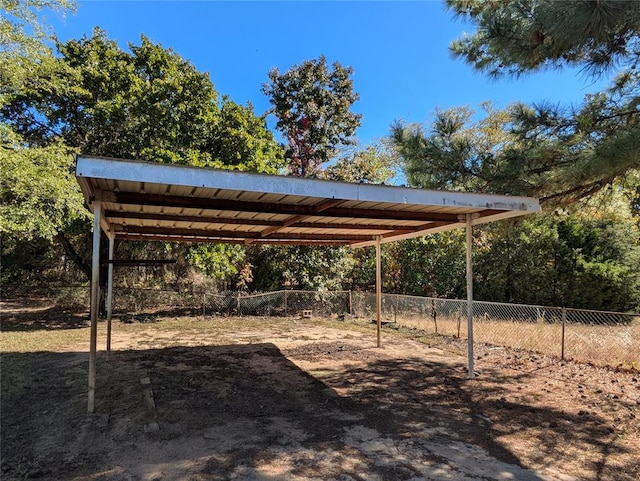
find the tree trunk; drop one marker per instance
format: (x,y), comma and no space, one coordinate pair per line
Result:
(80,263)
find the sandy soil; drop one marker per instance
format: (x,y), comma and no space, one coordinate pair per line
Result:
(293,399)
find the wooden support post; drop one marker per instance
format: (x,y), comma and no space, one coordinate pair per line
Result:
(378,291)
(95,295)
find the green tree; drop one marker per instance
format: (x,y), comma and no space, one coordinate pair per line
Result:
(24,37)
(565,260)
(564,153)
(240,139)
(312,105)
(458,154)
(40,203)
(148,104)
(521,151)
(374,164)
(35,188)
(514,38)
(221,262)
(433,265)
(300,267)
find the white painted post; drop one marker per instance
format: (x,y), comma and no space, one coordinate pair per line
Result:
(378,290)
(112,240)
(469,219)
(564,323)
(95,294)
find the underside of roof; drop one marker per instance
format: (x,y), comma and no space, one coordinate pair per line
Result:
(152,201)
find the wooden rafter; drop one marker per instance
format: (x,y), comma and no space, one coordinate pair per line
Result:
(159,200)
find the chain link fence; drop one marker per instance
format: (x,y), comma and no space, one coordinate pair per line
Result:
(279,303)
(603,338)
(138,300)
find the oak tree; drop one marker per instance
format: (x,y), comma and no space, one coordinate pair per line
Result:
(312,104)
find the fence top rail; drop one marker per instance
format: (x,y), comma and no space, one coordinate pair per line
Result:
(271,293)
(439,299)
(536,306)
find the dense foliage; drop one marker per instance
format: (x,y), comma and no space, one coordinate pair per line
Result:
(89,95)
(558,153)
(95,98)
(145,104)
(312,105)
(568,156)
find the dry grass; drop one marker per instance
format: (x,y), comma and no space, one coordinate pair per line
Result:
(613,345)
(213,329)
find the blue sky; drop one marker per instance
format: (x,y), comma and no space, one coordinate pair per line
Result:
(398,50)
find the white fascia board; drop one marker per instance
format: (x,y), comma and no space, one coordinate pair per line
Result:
(444,228)
(170,174)
(412,235)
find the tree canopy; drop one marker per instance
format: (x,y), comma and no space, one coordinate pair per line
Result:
(147,104)
(312,105)
(22,33)
(559,153)
(93,97)
(514,38)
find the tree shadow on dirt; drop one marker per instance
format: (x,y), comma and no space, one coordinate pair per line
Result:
(46,318)
(63,317)
(248,411)
(398,393)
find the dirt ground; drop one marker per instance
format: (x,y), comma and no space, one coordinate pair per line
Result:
(216,398)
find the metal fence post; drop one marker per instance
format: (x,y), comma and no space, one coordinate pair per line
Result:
(285,302)
(564,322)
(434,315)
(204,304)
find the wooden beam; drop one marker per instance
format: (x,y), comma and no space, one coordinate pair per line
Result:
(231,234)
(208,240)
(290,221)
(194,219)
(321,207)
(295,221)
(158,200)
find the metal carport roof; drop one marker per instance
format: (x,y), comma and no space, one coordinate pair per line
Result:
(152,201)
(166,202)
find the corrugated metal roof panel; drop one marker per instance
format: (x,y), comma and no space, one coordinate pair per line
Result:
(160,201)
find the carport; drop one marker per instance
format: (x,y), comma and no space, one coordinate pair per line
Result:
(174,203)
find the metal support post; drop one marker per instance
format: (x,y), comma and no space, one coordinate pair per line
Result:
(112,240)
(564,323)
(285,302)
(378,290)
(469,229)
(95,294)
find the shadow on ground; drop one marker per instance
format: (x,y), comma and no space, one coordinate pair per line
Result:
(44,318)
(249,412)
